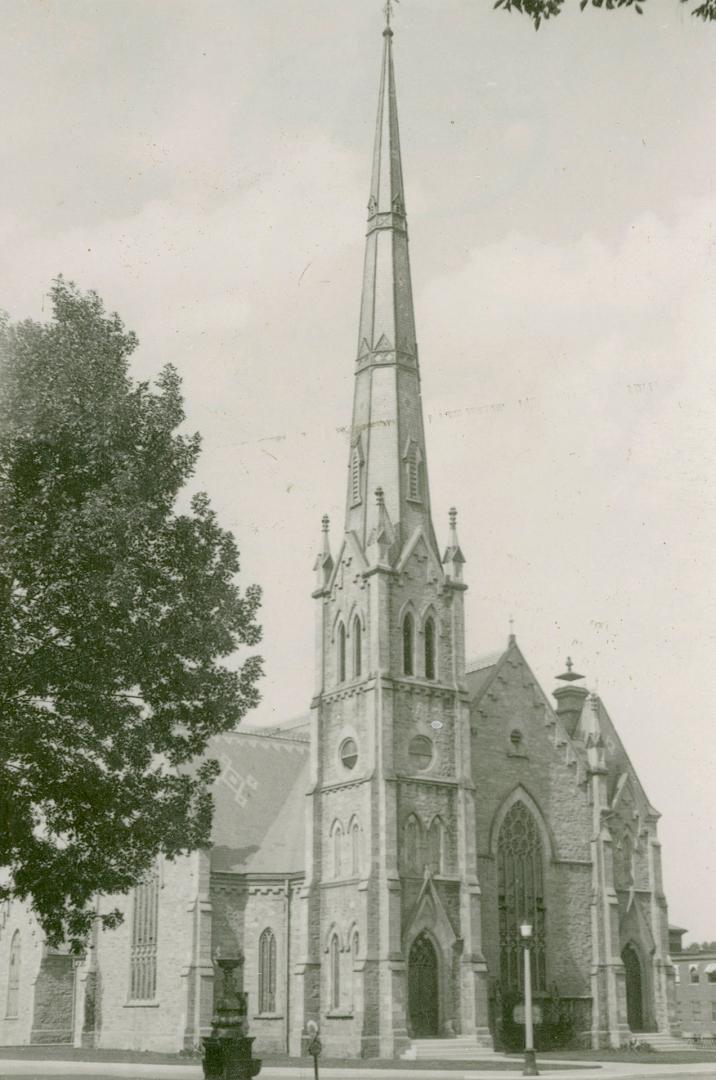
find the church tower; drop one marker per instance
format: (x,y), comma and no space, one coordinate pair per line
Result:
(390,918)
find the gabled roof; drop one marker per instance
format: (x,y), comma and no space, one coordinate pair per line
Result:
(259,775)
(479,673)
(282,849)
(617,760)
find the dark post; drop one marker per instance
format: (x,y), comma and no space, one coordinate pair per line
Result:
(227,1051)
(314,1046)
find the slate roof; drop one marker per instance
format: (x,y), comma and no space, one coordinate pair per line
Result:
(479,672)
(262,782)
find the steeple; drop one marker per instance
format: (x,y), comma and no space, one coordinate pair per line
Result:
(387,448)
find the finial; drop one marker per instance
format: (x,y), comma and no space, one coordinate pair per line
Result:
(512,629)
(453,517)
(379,497)
(569,675)
(388,9)
(325,522)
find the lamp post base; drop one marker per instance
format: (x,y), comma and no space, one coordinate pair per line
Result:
(530,1068)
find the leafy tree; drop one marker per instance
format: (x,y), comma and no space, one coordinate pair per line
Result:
(116,612)
(541,10)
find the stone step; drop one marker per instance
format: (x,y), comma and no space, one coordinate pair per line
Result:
(661,1041)
(461,1048)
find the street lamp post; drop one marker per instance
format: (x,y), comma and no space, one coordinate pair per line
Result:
(530,1068)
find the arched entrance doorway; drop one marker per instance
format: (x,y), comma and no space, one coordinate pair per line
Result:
(423,1006)
(634,995)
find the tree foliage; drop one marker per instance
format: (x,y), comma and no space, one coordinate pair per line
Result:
(116,614)
(541,10)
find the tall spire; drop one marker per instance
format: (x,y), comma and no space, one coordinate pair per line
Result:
(387,323)
(387,438)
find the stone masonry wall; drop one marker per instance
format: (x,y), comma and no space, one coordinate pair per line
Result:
(545,769)
(158,1024)
(15,918)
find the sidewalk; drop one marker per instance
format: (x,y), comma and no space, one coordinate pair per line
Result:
(28,1067)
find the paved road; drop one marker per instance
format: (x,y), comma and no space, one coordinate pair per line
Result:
(109,1070)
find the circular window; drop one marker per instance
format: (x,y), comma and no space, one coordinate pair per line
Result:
(420,752)
(349,753)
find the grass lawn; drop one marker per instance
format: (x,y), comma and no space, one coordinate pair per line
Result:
(637,1057)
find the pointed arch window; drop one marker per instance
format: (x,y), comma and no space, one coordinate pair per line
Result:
(335,972)
(355,849)
(412,843)
(357,647)
(408,644)
(429,637)
(13,977)
(520,874)
(436,835)
(356,468)
(337,850)
(143,955)
(341,653)
(267,971)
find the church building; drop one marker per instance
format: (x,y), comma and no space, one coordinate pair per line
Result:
(373,863)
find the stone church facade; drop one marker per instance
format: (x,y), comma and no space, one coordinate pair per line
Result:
(373,862)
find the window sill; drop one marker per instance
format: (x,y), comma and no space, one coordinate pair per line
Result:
(268,1016)
(141,1005)
(340,1014)
(14,1017)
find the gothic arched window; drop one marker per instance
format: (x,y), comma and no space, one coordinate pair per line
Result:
(13,977)
(337,850)
(357,648)
(335,972)
(355,849)
(341,653)
(520,896)
(267,972)
(143,955)
(412,843)
(436,833)
(408,638)
(429,636)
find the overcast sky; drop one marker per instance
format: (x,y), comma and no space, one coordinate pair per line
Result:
(205,167)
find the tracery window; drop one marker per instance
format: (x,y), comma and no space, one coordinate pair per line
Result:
(357,648)
(520,896)
(408,638)
(335,972)
(13,977)
(341,653)
(429,649)
(143,955)
(267,971)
